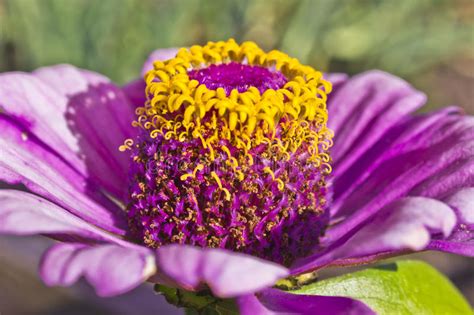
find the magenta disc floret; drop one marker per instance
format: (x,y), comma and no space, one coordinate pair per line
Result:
(238,76)
(232,153)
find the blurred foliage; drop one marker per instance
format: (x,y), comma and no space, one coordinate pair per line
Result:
(114,36)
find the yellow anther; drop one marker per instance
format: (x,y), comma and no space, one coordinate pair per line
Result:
(180,86)
(197,134)
(227,151)
(269,171)
(182,99)
(155,132)
(328,167)
(233,162)
(212,156)
(188,113)
(221,93)
(281,184)
(186,176)
(251,161)
(217,179)
(127,145)
(233,117)
(227,194)
(162,75)
(200,91)
(169,134)
(198,168)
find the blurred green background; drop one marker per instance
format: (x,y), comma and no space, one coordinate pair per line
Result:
(429,43)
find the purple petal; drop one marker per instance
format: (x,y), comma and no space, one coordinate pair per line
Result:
(69,80)
(27,161)
(250,305)
(406,225)
(336,79)
(463,202)
(272,301)
(101,119)
(99,115)
(402,139)
(40,110)
(363,109)
(411,160)
(110,269)
(23,213)
(65,107)
(426,155)
(135,92)
(159,54)
(461,241)
(227,274)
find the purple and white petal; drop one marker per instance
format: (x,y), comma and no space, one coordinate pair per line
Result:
(226,273)
(25,160)
(110,269)
(272,301)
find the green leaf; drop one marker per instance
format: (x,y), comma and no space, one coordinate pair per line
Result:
(404,287)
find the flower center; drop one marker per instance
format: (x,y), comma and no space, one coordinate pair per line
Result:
(232,153)
(236,76)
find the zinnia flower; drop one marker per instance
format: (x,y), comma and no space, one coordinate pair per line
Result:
(232,174)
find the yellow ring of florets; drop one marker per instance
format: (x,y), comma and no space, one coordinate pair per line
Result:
(250,118)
